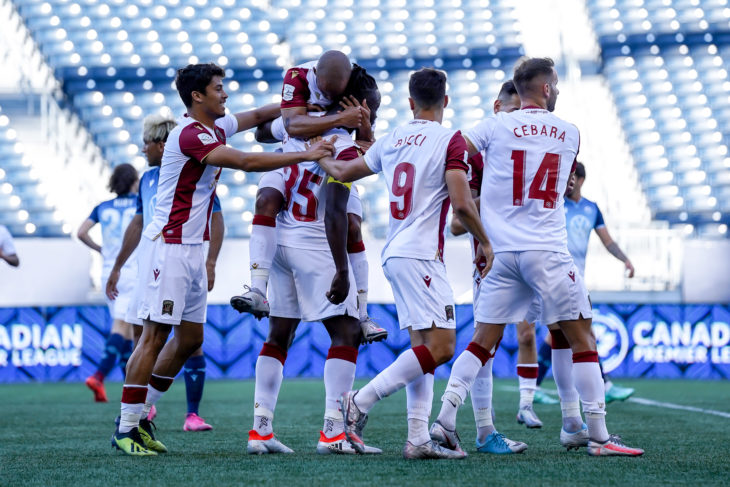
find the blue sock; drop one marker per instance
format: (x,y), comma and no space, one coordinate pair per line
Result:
(194,381)
(124,356)
(544,361)
(112,351)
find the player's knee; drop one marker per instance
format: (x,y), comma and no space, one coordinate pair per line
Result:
(443,350)
(269,202)
(526,337)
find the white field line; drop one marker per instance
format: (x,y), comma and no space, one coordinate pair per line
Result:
(645,402)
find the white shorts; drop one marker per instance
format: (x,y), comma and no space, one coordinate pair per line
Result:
(516,278)
(298,283)
(173,283)
(131,316)
(119,306)
(423,295)
(276,180)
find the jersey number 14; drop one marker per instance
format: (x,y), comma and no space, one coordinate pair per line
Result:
(547,175)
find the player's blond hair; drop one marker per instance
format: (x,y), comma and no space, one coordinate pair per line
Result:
(157,127)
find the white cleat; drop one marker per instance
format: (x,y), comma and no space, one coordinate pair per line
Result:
(261,445)
(446,438)
(371,332)
(576,439)
(612,447)
(252,301)
(526,415)
(430,450)
(340,446)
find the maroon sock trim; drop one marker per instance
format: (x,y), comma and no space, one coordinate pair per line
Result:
(423,354)
(162,384)
(585,357)
(354,248)
(264,220)
(481,353)
(559,340)
(134,394)
(274,351)
(343,352)
(527,372)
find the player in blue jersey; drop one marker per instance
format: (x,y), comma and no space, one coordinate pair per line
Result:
(156,130)
(114,216)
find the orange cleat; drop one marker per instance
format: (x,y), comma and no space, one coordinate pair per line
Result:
(97,387)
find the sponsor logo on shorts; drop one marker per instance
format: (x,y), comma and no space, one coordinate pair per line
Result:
(427,280)
(167,306)
(571,275)
(449,312)
(156,272)
(288,93)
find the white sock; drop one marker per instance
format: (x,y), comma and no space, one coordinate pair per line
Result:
(334,423)
(527,384)
(588,382)
(419,397)
(131,414)
(481,401)
(464,371)
(405,369)
(338,378)
(261,250)
(362,304)
(562,359)
(360,268)
(153,395)
(269,375)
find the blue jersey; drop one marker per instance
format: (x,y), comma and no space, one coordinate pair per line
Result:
(114,217)
(581,218)
(147,196)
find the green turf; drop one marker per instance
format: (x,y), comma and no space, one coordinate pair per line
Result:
(52,434)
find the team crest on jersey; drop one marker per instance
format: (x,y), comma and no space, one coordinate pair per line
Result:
(206,138)
(167,306)
(294,73)
(288,93)
(449,312)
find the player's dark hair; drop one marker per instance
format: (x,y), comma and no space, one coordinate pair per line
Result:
(580,170)
(364,87)
(507,90)
(195,77)
(427,87)
(530,69)
(123,178)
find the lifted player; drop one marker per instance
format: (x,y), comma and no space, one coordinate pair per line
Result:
(172,272)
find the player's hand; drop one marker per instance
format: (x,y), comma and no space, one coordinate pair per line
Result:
(319,148)
(210,271)
(340,287)
(351,101)
(629,268)
(311,107)
(351,117)
(485,252)
(111,285)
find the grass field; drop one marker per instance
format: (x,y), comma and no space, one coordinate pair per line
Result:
(52,434)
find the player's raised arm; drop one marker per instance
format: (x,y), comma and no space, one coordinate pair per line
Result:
(299,124)
(223,156)
(252,118)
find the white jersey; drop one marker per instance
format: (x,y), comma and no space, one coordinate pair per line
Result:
(531,153)
(414,159)
(301,224)
(186,188)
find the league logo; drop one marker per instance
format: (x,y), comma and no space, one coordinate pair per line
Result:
(167,307)
(288,93)
(612,339)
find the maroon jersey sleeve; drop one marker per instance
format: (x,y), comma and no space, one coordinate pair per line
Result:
(295,92)
(456,153)
(197,143)
(348,154)
(476,166)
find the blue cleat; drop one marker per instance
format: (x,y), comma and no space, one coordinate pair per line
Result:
(498,444)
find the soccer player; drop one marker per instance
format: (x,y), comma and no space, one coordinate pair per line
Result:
(7,248)
(424,165)
(530,154)
(114,216)
(489,440)
(172,273)
(312,235)
(156,130)
(312,86)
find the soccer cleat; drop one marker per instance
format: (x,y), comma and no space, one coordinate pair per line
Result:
(146,432)
(618,393)
(541,397)
(576,439)
(526,415)
(430,449)
(447,439)
(355,421)
(339,445)
(153,413)
(131,443)
(252,301)
(614,446)
(499,444)
(262,445)
(193,422)
(371,332)
(97,387)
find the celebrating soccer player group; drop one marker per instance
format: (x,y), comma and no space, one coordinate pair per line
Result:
(506,181)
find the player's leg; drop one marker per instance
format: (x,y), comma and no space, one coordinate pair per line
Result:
(544,361)
(262,245)
(527,373)
(194,371)
(113,349)
(127,347)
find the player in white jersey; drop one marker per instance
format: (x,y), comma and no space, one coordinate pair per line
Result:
(114,217)
(424,165)
(171,257)
(531,154)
